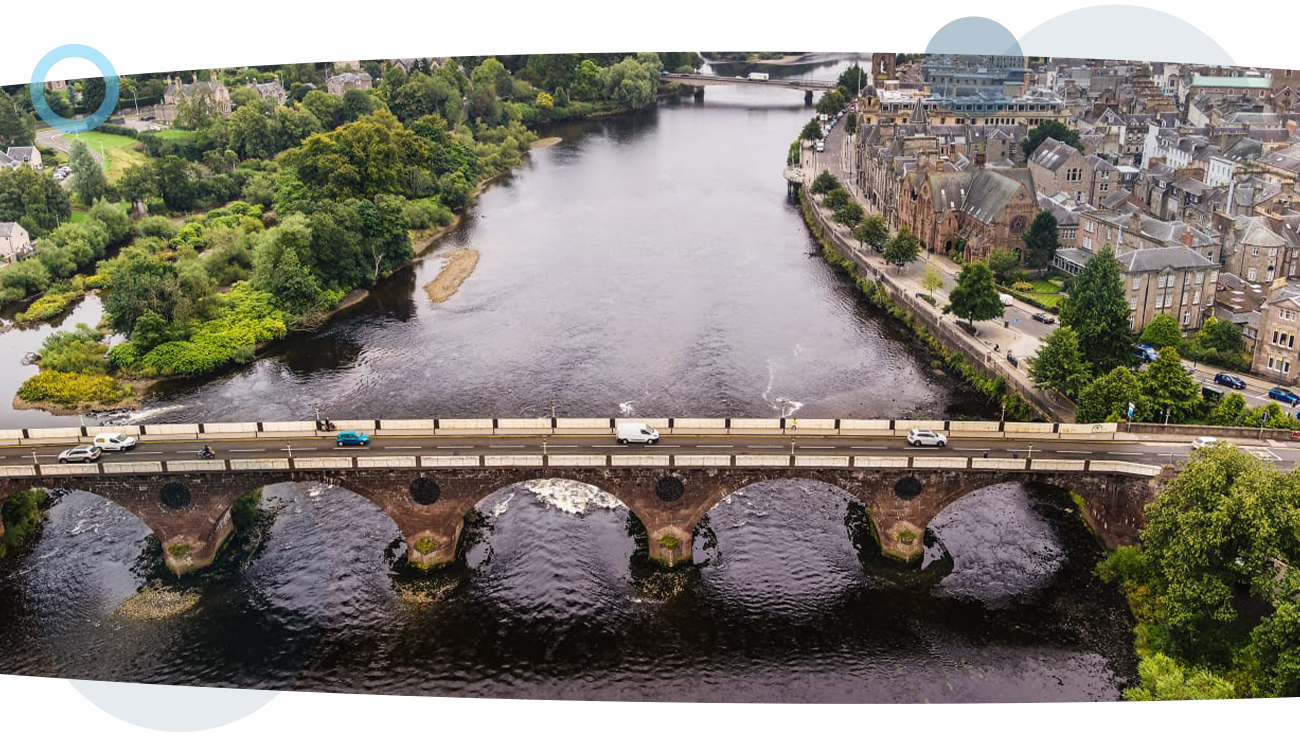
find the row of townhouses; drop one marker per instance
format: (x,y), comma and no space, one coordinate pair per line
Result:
(1187,172)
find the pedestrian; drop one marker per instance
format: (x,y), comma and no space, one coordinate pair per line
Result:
(986,454)
(794,424)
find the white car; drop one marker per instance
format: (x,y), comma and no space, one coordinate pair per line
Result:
(80,453)
(919,437)
(115,441)
(1203,441)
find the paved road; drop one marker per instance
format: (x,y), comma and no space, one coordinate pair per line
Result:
(1144,450)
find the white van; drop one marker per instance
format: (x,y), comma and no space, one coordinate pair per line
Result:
(1006,299)
(637,433)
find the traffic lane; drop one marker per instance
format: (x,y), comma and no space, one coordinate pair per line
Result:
(1136,451)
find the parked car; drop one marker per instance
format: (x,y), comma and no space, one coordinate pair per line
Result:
(821,145)
(1146,353)
(920,437)
(1045,318)
(637,433)
(115,441)
(80,454)
(1203,441)
(1283,394)
(351,438)
(1005,299)
(150,117)
(1229,380)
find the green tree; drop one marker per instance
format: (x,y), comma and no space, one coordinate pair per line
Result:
(1162,332)
(544,101)
(1274,651)
(836,199)
(32,199)
(88,181)
(326,107)
(831,102)
(1042,240)
(825,183)
(17,127)
(849,214)
(1059,364)
(1224,337)
(1229,411)
(1167,386)
(1165,679)
(1054,129)
(975,297)
(903,247)
(80,351)
(873,230)
(1098,310)
(931,280)
(1270,415)
(812,131)
(1107,398)
(93,90)
(1213,535)
(357,103)
(850,124)
(1004,264)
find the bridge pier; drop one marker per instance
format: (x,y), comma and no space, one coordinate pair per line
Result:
(807,97)
(670,546)
(698,93)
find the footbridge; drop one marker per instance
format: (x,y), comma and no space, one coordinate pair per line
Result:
(699,82)
(428,474)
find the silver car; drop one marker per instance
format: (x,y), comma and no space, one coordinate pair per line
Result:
(80,454)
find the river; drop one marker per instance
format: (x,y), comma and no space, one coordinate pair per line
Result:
(650,265)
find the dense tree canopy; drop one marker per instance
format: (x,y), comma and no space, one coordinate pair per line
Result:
(1098,311)
(975,297)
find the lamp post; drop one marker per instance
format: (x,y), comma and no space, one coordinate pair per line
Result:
(1166,417)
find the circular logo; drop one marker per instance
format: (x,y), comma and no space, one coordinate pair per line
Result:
(70,51)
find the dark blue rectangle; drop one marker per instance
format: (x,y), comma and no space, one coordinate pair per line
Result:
(91,707)
(1223,33)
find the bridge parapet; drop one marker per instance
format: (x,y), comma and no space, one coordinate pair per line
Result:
(479,427)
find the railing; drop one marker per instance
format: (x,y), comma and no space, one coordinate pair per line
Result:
(548,426)
(535,461)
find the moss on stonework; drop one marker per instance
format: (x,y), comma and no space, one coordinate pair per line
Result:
(178,551)
(21,514)
(426,545)
(669,541)
(906,537)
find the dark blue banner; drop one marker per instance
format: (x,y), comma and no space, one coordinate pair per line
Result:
(1196,33)
(91,707)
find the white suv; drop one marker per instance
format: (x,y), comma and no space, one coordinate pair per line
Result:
(919,437)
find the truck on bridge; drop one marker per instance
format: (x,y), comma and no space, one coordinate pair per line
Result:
(758,75)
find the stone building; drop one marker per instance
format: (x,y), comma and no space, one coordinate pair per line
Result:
(1275,354)
(343,82)
(1059,168)
(211,94)
(15,243)
(1169,280)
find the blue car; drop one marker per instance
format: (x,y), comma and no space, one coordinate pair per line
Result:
(1146,353)
(1283,395)
(1229,380)
(351,438)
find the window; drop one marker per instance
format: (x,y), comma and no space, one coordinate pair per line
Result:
(1196,298)
(1087,243)
(1090,227)
(1104,187)
(1250,275)
(1199,276)
(1187,316)
(1136,281)
(1254,251)
(1132,302)
(1286,314)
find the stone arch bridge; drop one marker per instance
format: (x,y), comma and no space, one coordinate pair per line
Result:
(191,509)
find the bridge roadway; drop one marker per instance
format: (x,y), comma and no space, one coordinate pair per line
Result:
(1144,451)
(793,84)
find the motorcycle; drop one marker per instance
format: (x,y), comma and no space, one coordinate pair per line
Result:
(207,453)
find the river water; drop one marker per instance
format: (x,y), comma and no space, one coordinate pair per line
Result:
(647,265)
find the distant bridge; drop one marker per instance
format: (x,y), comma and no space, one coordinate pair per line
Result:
(699,82)
(428,474)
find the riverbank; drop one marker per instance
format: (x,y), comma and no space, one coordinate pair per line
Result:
(880,293)
(460,263)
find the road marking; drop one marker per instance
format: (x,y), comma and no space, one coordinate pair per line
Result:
(972,449)
(395,448)
(601,446)
(704,446)
(552,445)
(1129,453)
(245,450)
(764,446)
(815,447)
(1065,451)
(452,448)
(874,448)
(505,446)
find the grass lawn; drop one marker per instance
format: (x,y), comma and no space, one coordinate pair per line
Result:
(119,151)
(172,134)
(78,216)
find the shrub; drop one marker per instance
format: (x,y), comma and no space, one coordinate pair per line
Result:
(72,389)
(20,514)
(425,545)
(49,305)
(157,226)
(1022,286)
(246,317)
(426,213)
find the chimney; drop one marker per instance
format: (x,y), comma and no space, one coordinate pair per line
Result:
(1187,237)
(1135,221)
